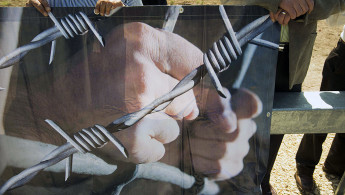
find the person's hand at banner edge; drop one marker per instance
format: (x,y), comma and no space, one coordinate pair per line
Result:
(103,7)
(296,8)
(281,17)
(41,5)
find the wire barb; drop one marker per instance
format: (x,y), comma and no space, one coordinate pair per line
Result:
(217,59)
(69,26)
(86,140)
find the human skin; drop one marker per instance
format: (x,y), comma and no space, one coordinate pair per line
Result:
(228,128)
(290,9)
(138,65)
(102,7)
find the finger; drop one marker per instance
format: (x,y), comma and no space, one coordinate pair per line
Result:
(239,148)
(276,15)
(304,6)
(39,7)
(280,19)
(209,149)
(204,129)
(291,11)
(102,8)
(161,127)
(217,170)
(28,4)
(246,104)
(144,141)
(311,4)
(298,9)
(272,16)
(117,4)
(208,167)
(286,19)
(45,5)
(215,145)
(219,112)
(183,106)
(108,8)
(97,7)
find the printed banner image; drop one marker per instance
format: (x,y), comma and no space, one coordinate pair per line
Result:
(150,100)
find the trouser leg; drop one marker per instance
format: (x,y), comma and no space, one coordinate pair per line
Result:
(334,80)
(333,74)
(281,85)
(275,142)
(335,161)
(309,153)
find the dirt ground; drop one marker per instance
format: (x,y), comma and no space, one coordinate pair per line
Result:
(282,175)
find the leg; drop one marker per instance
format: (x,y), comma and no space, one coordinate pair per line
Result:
(275,141)
(335,161)
(333,74)
(334,80)
(309,153)
(281,85)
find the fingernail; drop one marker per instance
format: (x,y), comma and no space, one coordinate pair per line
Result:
(96,12)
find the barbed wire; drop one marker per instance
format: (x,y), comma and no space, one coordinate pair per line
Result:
(216,60)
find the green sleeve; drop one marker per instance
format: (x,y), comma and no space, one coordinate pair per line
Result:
(271,5)
(323,9)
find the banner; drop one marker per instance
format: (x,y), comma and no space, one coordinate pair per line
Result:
(150,100)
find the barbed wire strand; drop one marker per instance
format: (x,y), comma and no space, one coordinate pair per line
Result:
(192,79)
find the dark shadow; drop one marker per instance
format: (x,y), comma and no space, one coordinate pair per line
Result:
(290,101)
(335,99)
(334,179)
(315,192)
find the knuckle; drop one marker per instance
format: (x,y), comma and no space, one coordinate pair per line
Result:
(220,150)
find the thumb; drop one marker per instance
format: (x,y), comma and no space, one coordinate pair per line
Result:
(245,103)
(144,141)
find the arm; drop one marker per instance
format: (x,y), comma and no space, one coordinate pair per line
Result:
(271,5)
(323,9)
(102,7)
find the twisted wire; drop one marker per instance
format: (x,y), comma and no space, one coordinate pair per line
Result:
(84,141)
(69,27)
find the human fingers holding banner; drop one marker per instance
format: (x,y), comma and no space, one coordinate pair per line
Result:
(103,7)
(41,5)
(296,8)
(220,143)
